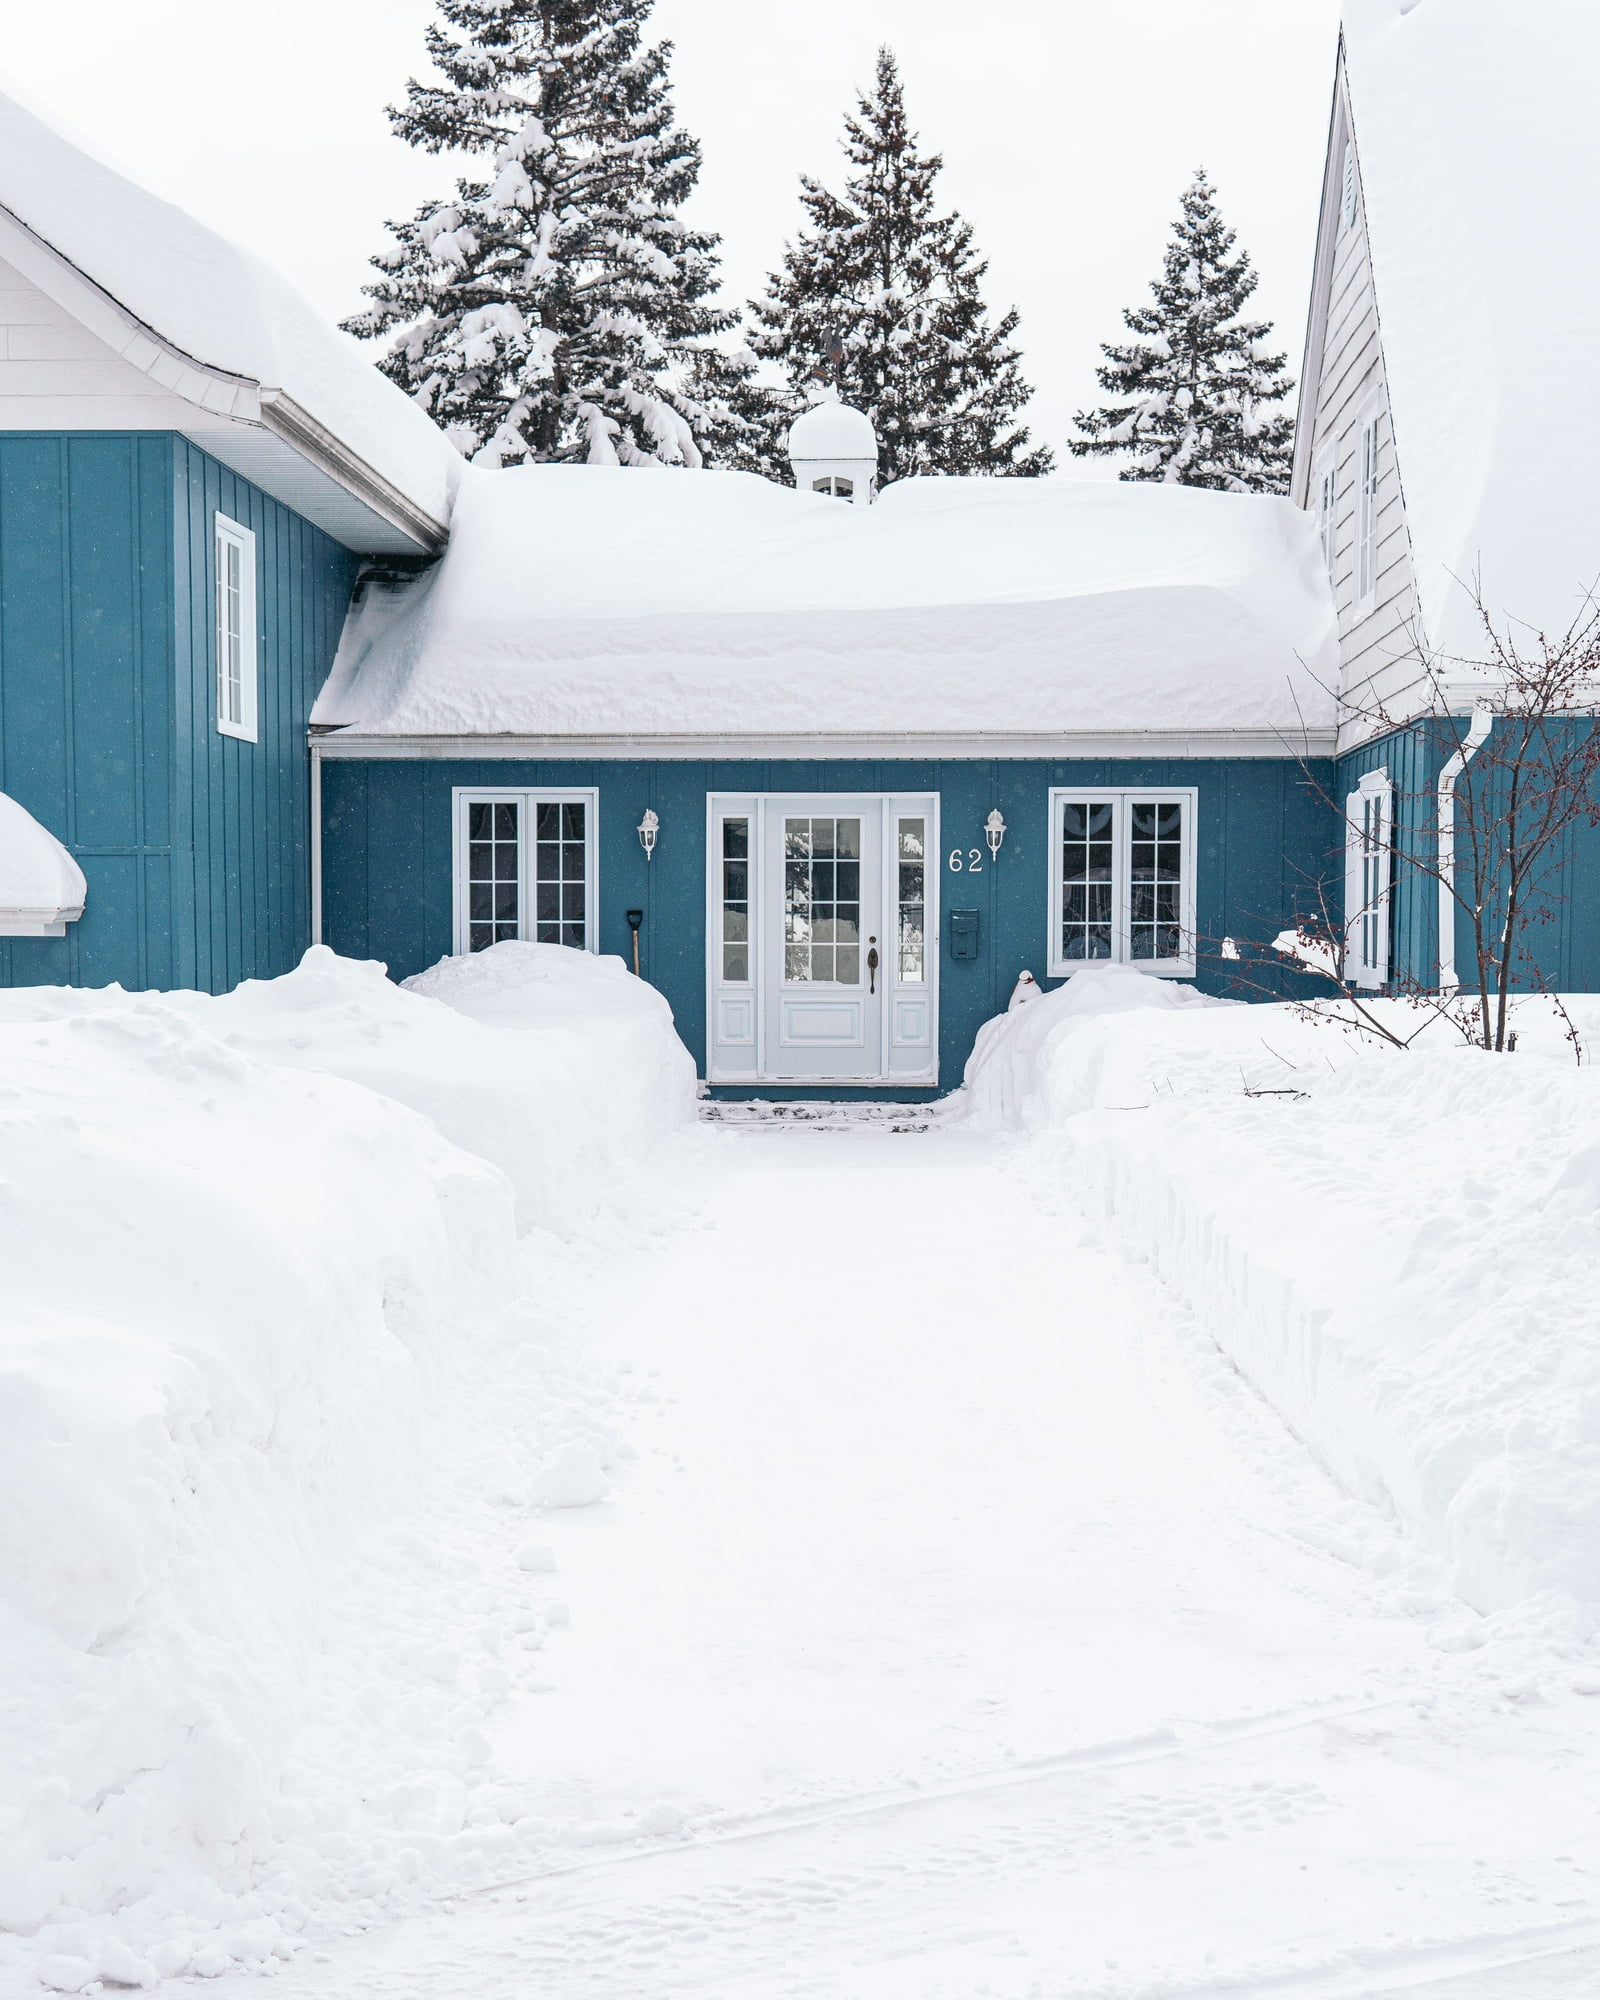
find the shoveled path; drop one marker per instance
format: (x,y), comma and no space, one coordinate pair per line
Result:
(966,1627)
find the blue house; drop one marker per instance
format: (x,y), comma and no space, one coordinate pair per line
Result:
(838,769)
(192,470)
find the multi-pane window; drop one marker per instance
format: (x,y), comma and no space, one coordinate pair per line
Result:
(736,898)
(911,897)
(235,554)
(1155,879)
(494,872)
(1088,850)
(841,489)
(1123,884)
(822,899)
(524,869)
(1367,514)
(561,879)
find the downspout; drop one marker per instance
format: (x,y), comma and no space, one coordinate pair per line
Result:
(316,842)
(1476,736)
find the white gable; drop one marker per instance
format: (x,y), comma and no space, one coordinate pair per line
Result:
(1479,153)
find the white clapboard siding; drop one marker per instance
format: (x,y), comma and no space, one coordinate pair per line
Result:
(56,375)
(1343,388)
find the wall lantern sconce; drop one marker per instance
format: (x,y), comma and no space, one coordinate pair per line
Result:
(648,828)
(994,829)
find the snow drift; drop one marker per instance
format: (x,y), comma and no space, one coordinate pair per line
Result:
(1400,1249)
(268,1341)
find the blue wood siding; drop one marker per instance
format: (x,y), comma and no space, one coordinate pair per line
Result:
(1565,948)
(195,846)
(1268,846)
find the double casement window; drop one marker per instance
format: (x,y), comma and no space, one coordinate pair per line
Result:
(1122,880)
(1368,876)
(525,868)
(237,698)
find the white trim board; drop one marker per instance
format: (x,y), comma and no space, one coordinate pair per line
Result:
(1194,746)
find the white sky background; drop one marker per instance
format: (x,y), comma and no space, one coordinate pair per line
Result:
(1069,129)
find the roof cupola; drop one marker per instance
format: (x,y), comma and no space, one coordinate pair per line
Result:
(834,449)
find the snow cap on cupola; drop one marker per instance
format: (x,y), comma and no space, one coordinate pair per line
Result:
(834,449)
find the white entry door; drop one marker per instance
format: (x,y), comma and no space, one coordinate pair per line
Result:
(824,954)
(820,955)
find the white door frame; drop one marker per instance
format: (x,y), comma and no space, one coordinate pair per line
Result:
(737,1034)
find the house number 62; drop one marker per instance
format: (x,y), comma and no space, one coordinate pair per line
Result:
(973,863)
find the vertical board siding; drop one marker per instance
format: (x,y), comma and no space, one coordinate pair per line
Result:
(85,690)
(196,847)
(1269,850)
(248,805)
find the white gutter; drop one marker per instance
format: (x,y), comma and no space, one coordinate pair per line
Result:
(316,842)
(1476,736)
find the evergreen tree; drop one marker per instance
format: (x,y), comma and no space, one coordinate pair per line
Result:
(1194,396)
(555,306)
(896,285)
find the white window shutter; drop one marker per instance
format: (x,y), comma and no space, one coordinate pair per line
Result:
(1352,889)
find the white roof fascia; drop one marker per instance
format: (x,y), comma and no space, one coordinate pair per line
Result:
(1196,744)
(1321,282)
(233,402)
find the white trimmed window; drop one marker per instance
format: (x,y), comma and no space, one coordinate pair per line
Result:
(237,695)
(1347,186)
(1368,878)
(1122,879)
(1367,516)
(525,868)
(1327,492)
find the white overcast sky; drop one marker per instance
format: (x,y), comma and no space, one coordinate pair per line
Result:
(1068,127)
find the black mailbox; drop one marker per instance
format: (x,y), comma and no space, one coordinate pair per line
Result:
(963,933)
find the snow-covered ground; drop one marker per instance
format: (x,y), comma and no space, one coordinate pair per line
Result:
(950,1616)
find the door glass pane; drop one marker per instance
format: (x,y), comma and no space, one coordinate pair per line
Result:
(822,899)
(1155,879)
(560,877)
(1087,828)
(493,872)
(736,899)
(912,896)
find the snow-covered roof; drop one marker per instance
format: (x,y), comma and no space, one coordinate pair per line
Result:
(1479,147)
(220,329)
(42,888)
(833,430)
(602,605)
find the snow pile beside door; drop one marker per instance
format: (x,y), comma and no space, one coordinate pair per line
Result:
(1400,1249)
(276,1392)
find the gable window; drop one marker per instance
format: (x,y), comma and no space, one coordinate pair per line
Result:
(1368,877)
(235,549)
(1367,517)
(524,868)
(1347,188)
(1122,880)
(1327,488)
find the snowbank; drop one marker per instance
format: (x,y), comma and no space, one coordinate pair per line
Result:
(725,603)
(275,1393)
(1400,1249)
